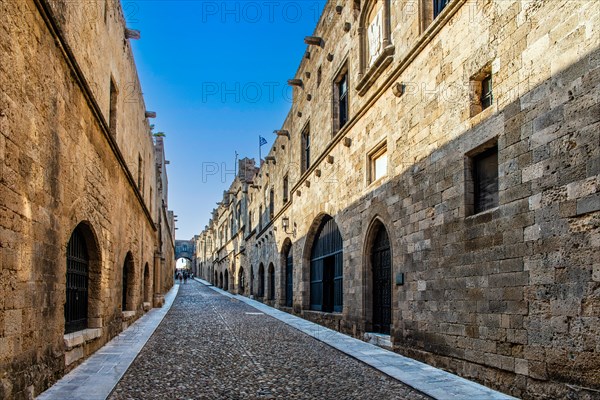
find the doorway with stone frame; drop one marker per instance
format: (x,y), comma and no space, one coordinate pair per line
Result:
(377,279)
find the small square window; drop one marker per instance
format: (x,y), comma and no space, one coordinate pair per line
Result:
(378,164)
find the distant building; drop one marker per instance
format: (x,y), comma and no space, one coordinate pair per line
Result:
(435,187)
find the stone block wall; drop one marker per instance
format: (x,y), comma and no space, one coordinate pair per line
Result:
(508,296)
(60,169)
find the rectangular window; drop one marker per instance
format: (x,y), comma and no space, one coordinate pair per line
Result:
(286,189)
(378,164)
(112,113)
(438,6)
(343,100)
(260,218)
(306,149)
(485,180)
(481,179)
(271,205)
(340,99)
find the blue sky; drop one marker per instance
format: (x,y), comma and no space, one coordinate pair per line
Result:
(215,72)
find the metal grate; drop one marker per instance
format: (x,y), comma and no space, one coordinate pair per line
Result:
(76,306)
(326,269)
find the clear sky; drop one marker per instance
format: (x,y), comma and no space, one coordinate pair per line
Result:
(215,72)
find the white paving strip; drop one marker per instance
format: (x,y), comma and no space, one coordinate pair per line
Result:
(96,377)
(432,381)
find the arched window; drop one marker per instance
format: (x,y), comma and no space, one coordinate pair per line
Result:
(289,278)
(271,282)
(261,281)
(326,268)
(76,306)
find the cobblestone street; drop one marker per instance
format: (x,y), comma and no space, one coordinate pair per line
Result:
(212,347)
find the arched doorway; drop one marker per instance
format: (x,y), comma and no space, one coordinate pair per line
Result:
(251,280)
(261,280)
(226,280)
(127,290)
(381,267)
(271,282)
(241,281)
(288,270)
(76,305)
(147,283)
(216,281)
(221,280)
(326,268)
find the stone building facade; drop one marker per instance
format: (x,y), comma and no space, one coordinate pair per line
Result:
(85,234)
(436,179)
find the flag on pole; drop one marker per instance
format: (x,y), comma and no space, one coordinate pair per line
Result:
(261,142)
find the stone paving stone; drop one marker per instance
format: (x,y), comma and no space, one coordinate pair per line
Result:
(217,347)
(98,375)
(429,380)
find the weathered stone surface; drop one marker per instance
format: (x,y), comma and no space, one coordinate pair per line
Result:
(62,166)
(485,295)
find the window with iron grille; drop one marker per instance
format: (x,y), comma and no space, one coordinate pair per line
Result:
(326,269)
(486,92)
(76,306)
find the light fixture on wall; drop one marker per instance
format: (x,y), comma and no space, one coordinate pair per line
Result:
(285,224)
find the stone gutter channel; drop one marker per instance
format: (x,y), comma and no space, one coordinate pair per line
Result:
(429,380)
